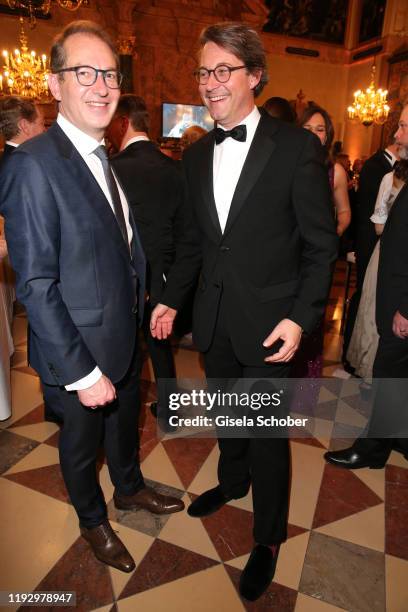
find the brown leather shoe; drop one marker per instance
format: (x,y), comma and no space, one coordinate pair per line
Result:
(148,499)
(107,547)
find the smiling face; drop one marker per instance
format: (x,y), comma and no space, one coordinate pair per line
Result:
(89,108)
(230,102)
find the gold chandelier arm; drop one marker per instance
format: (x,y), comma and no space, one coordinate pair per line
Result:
(69,5)
(45,8)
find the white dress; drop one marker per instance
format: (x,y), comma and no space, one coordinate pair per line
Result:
(364,340)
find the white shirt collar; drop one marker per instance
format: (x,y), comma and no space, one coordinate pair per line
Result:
(251,121)
(84,143)
(11,143)
(391,154)
(135,139)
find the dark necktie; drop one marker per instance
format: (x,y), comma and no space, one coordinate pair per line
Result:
(239,133)
(101,153)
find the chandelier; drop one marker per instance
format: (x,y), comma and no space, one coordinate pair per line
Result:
(43,6)
(25,74)
(370,106)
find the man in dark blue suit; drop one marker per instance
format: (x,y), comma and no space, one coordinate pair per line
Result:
(80,273)
(20,120)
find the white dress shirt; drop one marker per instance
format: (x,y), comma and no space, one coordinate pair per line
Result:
(86,145)
(135,139)
(11,143)
(228,161)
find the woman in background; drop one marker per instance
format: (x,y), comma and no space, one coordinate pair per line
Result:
(317,120)
(308,362)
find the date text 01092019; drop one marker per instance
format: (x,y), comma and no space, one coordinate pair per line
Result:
(38,598)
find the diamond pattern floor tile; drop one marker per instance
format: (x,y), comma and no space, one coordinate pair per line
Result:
(47,480)
(396,506)
(163,563)
(344,574)
(341,494)
(13,448)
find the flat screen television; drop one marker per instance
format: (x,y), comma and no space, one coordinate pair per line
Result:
(177,117)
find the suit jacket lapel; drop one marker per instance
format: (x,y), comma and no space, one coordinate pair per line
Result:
(258,156)
(89,185)
(207,183)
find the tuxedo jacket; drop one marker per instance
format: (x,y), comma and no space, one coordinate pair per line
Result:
(392,282)
(154,188)
(275,257)
(74,272)
(370,179)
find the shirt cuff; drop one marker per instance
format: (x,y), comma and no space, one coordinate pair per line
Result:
(86,382)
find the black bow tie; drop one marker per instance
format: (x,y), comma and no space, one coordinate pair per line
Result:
(239,132)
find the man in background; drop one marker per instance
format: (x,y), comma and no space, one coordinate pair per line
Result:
(154,188)
(20,120)
(388,426)
(371,175)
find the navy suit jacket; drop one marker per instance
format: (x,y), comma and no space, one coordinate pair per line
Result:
(74,272)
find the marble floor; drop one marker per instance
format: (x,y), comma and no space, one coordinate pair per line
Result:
(347,547)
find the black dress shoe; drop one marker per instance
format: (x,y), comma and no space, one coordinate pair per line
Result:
(208,503)
(258,572)
(353,459)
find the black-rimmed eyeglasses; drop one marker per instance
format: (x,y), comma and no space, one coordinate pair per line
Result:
(222,73)
(87,75)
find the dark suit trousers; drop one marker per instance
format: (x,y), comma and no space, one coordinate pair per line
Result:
(83,432)
(390,410)
(262,462)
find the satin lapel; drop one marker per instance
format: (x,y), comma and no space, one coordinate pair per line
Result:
(207,182)
(258,156)
(86,182)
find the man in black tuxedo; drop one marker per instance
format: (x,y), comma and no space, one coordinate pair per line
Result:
(154,188)
(388,427)
(20,120)
(80,272)
(261,198)
(371,176)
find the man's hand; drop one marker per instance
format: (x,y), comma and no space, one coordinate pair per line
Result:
(400,326)
(101,393)
(161,322)
(288,331)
